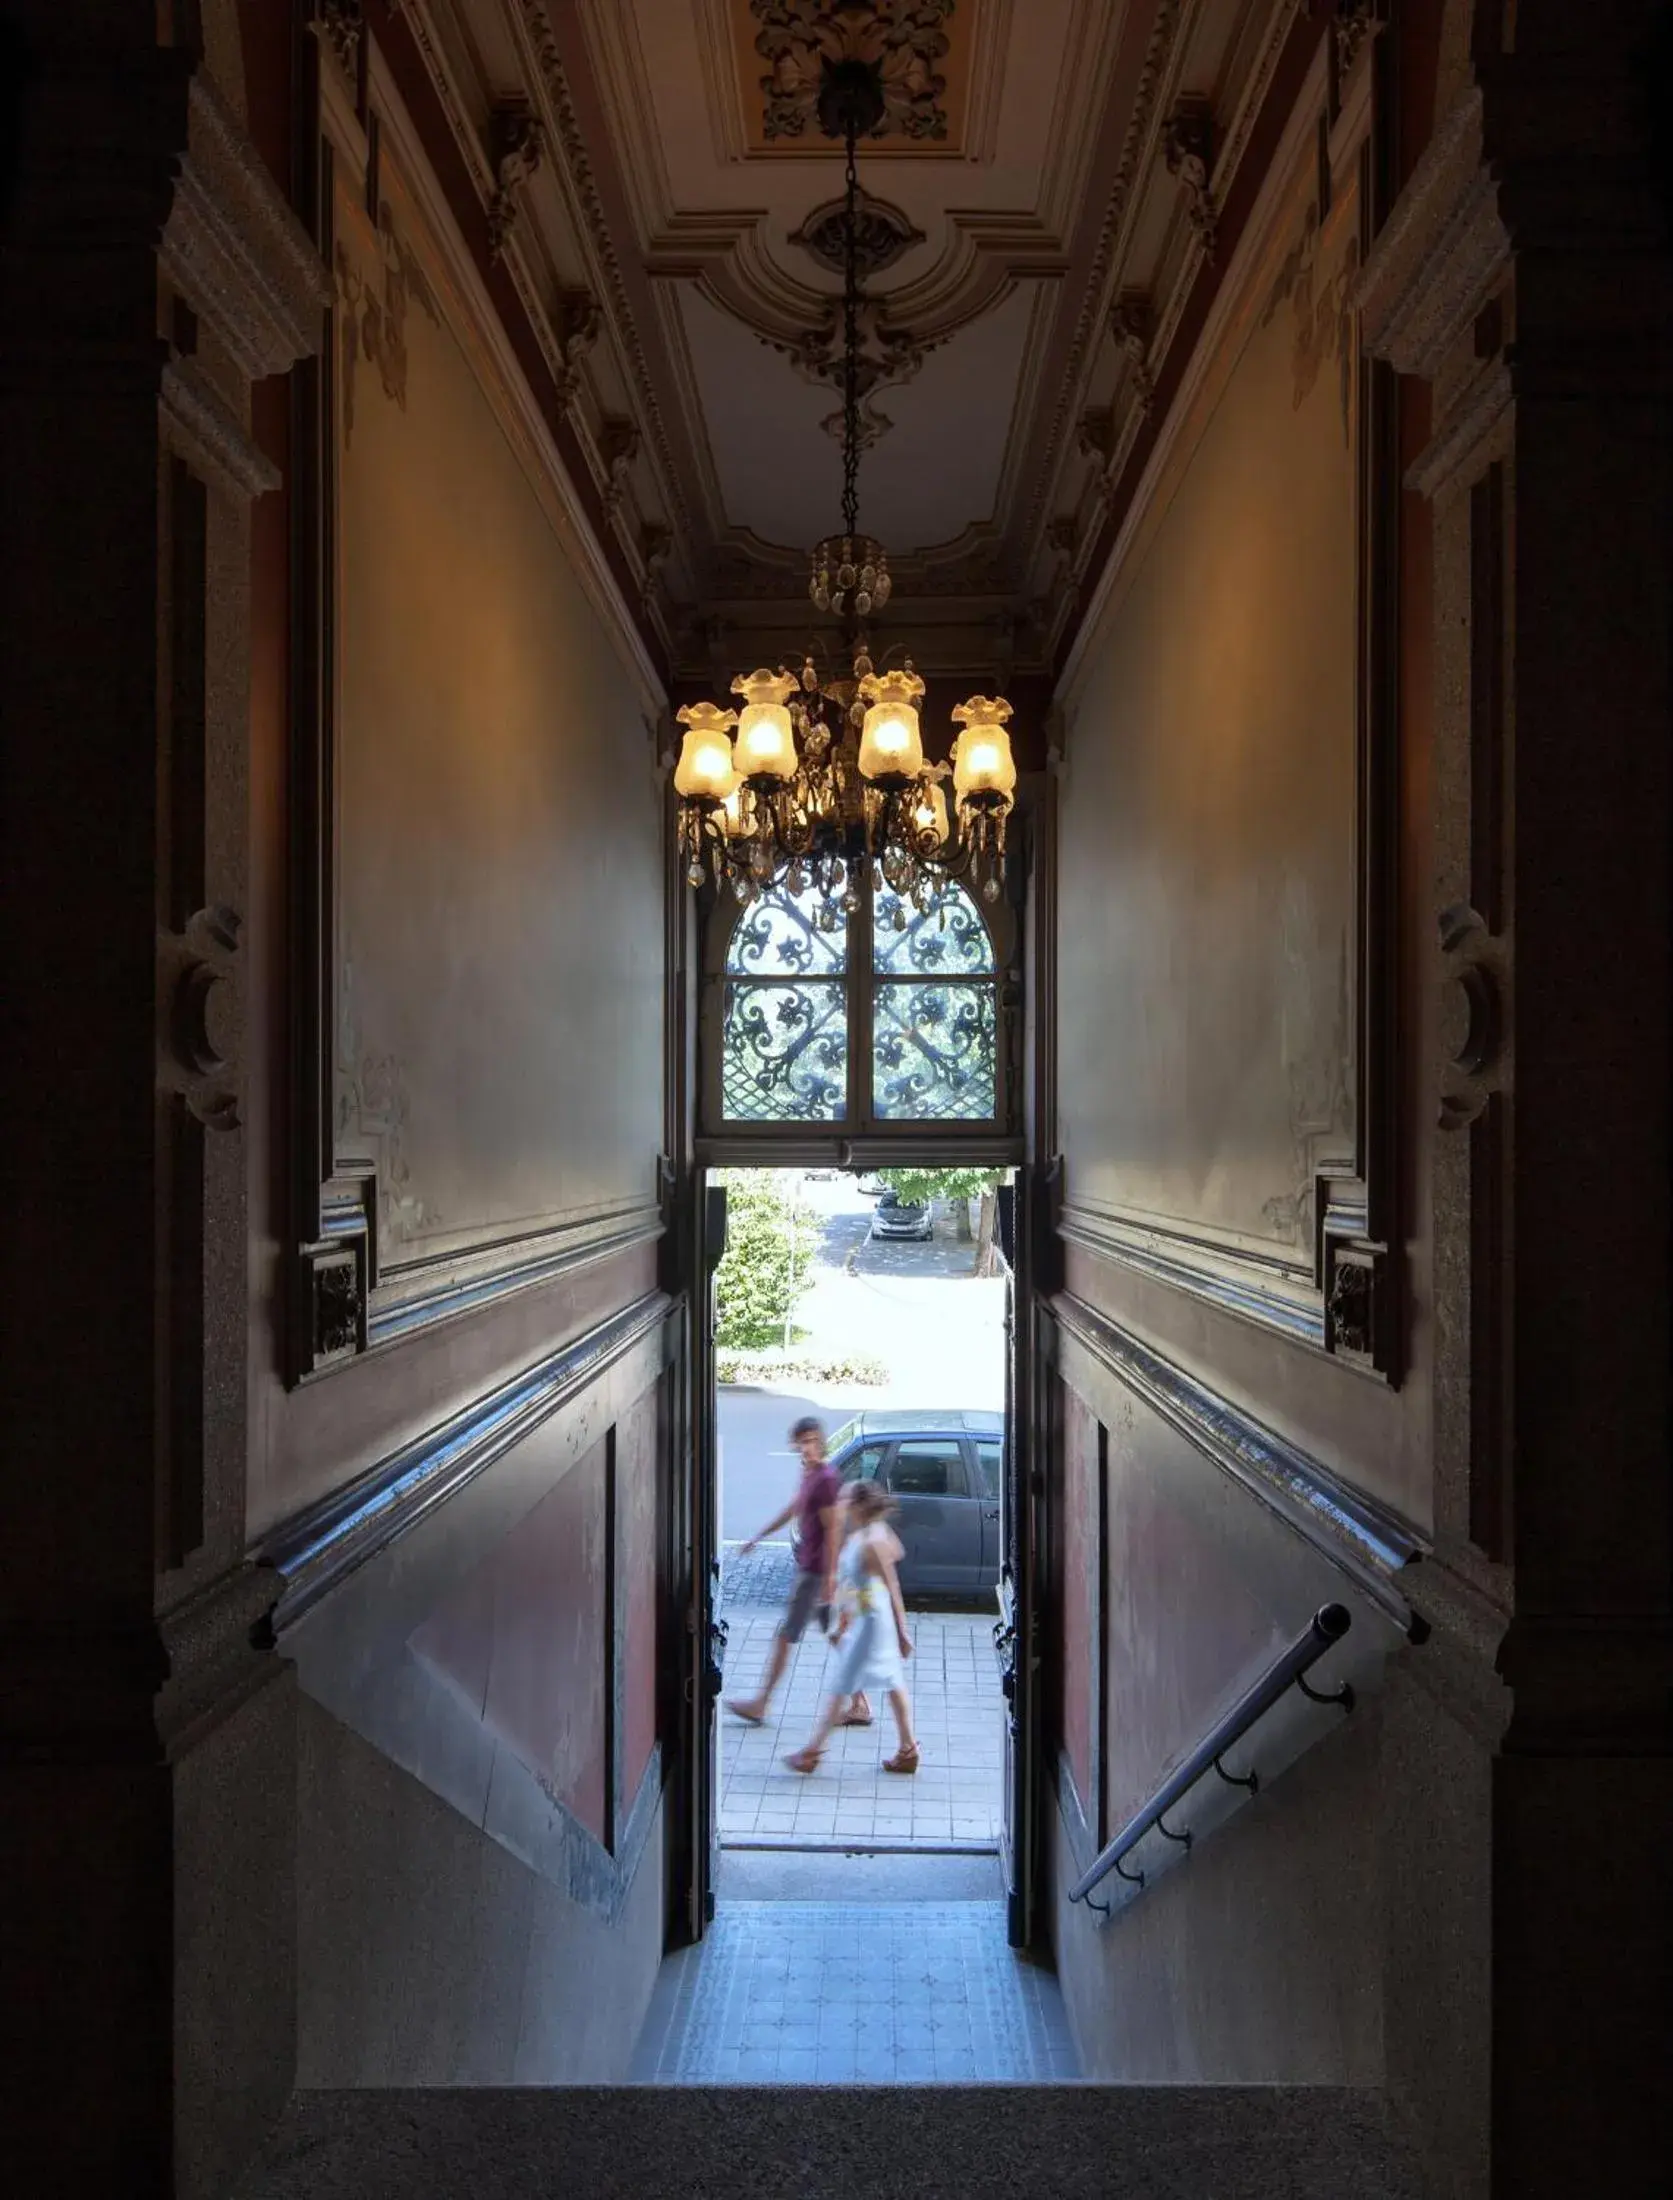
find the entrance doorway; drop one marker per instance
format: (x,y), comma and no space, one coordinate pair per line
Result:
(884,1297)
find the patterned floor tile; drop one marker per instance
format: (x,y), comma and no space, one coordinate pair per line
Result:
(843,1993)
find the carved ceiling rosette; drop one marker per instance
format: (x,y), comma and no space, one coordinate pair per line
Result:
(883,235)
(905,39)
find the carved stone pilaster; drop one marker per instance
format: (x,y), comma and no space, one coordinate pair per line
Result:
(1524,275)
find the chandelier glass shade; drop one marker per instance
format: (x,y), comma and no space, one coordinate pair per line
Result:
(825,775)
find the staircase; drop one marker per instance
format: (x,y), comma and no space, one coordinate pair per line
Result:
(837,2143)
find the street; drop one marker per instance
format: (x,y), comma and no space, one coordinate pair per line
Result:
(917,1308)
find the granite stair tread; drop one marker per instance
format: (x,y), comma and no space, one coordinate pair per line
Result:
(819,2143)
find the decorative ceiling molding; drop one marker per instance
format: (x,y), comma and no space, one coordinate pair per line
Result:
(516,142)
(1163,53)
(458,283)
(979,31)
(906,41)
(543,58)
(883,234)
(1188,150)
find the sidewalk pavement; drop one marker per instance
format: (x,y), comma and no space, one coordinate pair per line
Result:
(850,1802)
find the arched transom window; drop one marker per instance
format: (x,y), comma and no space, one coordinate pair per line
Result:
(882,1012)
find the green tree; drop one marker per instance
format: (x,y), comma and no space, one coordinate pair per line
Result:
(959,1187)
(913,1185)
(770,1237)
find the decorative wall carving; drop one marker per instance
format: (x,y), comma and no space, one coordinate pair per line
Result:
(883,234)
(1355,23)
(576,320)
(1188,149)
(618,447)
(1132,324)
(888,357)
(1323,316)
(342,23)
(905,38)
(372,315)
(516,142)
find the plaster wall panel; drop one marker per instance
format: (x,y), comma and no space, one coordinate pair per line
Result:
(498,830)
(1207,929)
(430,1955)
(524,1638)
(636,1535)
(1258,1961)
(1082,1563)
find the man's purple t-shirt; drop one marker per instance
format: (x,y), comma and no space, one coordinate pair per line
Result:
(818,1493)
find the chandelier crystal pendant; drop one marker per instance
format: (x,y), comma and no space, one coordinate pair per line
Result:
(824,777)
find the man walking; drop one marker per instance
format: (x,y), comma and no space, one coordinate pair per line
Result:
(816,1509)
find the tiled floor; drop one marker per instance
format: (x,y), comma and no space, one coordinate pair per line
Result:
(881,1993)
(952,1801)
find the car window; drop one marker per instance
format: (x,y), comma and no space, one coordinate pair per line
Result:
(865,1464)
(927,1467)
(990,1458)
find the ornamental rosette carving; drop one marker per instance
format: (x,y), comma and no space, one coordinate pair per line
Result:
(903,39)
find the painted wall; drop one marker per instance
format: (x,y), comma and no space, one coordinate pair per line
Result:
(499,1006)
(1209,788)
(1210,945)
(478,1828)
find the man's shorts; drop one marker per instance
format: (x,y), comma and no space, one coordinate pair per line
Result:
(803,1598)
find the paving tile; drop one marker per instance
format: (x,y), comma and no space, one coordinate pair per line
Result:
(845,1993)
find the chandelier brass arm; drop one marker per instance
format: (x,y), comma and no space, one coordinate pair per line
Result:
(812,780)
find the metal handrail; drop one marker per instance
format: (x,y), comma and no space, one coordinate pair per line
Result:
(1326,1628)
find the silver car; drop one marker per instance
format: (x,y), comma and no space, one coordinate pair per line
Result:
(943,1471)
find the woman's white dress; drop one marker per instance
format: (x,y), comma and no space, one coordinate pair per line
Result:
(871,1654)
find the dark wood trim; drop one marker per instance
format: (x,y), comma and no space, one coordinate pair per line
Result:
(1365,1540)
(316,1549)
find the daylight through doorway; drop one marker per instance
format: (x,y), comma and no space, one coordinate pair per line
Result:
(874,1303)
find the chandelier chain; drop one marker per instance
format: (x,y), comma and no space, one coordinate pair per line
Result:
(851,336)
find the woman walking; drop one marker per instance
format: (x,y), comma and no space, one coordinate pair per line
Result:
(874,1616)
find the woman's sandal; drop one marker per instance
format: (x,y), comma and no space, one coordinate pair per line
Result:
(745,1711)
(904,1760)
(855,1717)
(804,1760)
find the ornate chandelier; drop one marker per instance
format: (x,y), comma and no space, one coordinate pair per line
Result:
(815,778)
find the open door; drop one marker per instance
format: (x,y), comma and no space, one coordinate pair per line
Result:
(705,1644)
(1014,1632)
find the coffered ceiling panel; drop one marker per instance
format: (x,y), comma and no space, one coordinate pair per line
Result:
(932,473)
(1041,205)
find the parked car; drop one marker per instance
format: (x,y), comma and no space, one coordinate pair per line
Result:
(871,1186)
(943,1472)
(895,1217)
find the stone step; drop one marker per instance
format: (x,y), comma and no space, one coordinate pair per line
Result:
(837,2143)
